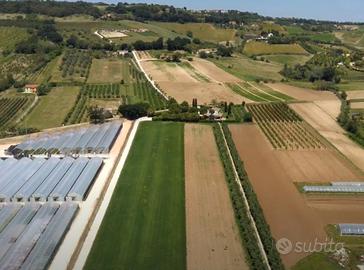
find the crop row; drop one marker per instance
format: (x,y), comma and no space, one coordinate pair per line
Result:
(144,91)
(9,107)
(103,90)
(75,62)
(273,112)
(253,254)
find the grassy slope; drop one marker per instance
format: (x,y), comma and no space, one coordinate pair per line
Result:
(203,31)
(316,261)
(144,226)
(10,36)
(105,71)
(260,48)
(52,108)
(288,59)
(248,69)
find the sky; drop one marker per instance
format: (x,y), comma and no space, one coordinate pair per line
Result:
(334,10)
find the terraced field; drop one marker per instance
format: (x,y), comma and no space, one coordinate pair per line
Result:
(284,128)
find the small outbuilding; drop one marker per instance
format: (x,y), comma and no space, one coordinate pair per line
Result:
(30,88)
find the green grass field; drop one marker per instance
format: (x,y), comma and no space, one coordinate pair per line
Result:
(10,36)
(316,261)
(249,69)
(354,38)
(203,31)
(144,226)
(52,108)
(260,48)
(287,59)
(106,71)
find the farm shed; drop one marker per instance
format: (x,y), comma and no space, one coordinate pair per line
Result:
(32,235)
(97,139)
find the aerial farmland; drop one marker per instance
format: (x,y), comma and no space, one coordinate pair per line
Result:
(148,136)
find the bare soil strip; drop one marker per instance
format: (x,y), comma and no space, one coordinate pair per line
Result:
(355,94)
(212,71)
(330,130)
(289,213)
(357,105)
(213,240)
(302,93)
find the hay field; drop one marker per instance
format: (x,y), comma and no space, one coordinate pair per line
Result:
(203,31)
(248,69)
(106,71)
(186,82)
(261,48)
(213,240)
(52,109)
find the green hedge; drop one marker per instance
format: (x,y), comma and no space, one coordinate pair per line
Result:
(255,208)
(250,242)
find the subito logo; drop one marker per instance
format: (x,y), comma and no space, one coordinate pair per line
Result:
(284,246)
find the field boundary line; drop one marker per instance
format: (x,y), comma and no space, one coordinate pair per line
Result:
(28,110)
(237,180)
(146,75)
(265,92)
(246,90)
(79,257)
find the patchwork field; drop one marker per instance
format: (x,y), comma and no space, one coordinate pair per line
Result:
(357,105)
(355,94)
(213,240)
(330,130)
(52,109)
(290,214)
(185,82)
(203,31)
(261,48)
(147,208)
(106,71)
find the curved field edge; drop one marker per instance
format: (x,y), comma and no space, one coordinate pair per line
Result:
(144,226)
(250,242)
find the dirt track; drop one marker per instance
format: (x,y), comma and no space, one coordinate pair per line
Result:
(330,129)
(289,213)
(302,93)
(213,240)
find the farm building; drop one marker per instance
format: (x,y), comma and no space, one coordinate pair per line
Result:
(41,179)
(30,88)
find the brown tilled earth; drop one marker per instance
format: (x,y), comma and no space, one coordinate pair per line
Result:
(302,93)
(330,130)
(213,72)
(355,94)
(289,213)
(178,82)
(213,240)
(357,105)
(203,91)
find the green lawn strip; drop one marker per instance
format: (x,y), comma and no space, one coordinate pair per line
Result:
(239,90)
(259,92)
(144,226)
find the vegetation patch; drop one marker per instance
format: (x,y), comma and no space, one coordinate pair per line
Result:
(147,208)
(12,107)
(261,48)
(52,108)
(10,36)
